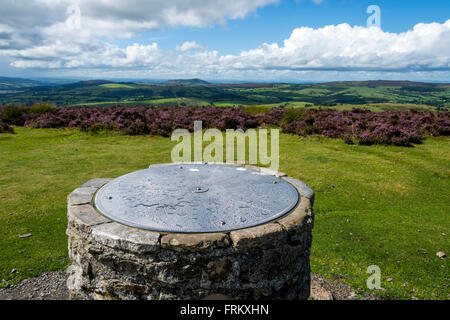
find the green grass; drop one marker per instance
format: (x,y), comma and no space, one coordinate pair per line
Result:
(372,107)
(179,102)
(228,103)
(378,205)
(153,102)
(385,206)
(38,169)
(116,86)
(312,92)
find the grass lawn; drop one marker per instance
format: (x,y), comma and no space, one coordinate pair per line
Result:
(385,206)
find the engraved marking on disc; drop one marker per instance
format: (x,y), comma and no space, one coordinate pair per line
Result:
(195,198)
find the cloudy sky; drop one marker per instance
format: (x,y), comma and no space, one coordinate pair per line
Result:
(254,40)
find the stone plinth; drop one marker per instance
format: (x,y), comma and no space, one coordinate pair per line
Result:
(114,261)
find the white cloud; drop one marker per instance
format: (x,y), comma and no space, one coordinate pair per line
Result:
(78,33)
(102,17)
(81,55)
(37,34)
(342,47)
(189,45)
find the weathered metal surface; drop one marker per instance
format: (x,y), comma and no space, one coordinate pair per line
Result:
(195,198)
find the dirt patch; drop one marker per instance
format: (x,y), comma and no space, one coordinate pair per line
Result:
(324,289)
(48,286)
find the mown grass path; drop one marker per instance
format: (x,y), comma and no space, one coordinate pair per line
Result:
(385,206)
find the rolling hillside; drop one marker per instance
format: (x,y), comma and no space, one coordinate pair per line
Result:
(199,92)
(17,83)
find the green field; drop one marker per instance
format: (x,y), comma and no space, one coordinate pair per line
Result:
(432,96)
(115,86)
(264,108)
(154,102)
(385,206)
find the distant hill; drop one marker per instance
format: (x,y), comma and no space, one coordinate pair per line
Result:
(387,94)
(387,83)
(17,83)
(83,84)
(55,81)
(91,83)
(186,82)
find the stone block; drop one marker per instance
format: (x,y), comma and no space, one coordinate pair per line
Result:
(302,188)
(96,183)
(194,242)
(118,236)
(262,236)
(84,217)
(82,195)
(301,219)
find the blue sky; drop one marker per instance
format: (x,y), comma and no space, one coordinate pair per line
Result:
(247,40)
(275,23)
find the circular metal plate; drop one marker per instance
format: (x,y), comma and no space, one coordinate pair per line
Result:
(195,198)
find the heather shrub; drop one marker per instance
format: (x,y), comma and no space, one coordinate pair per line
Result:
(272,118)
(362,126)
(348,139)
(5,128)
(365,127)
(145,120)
